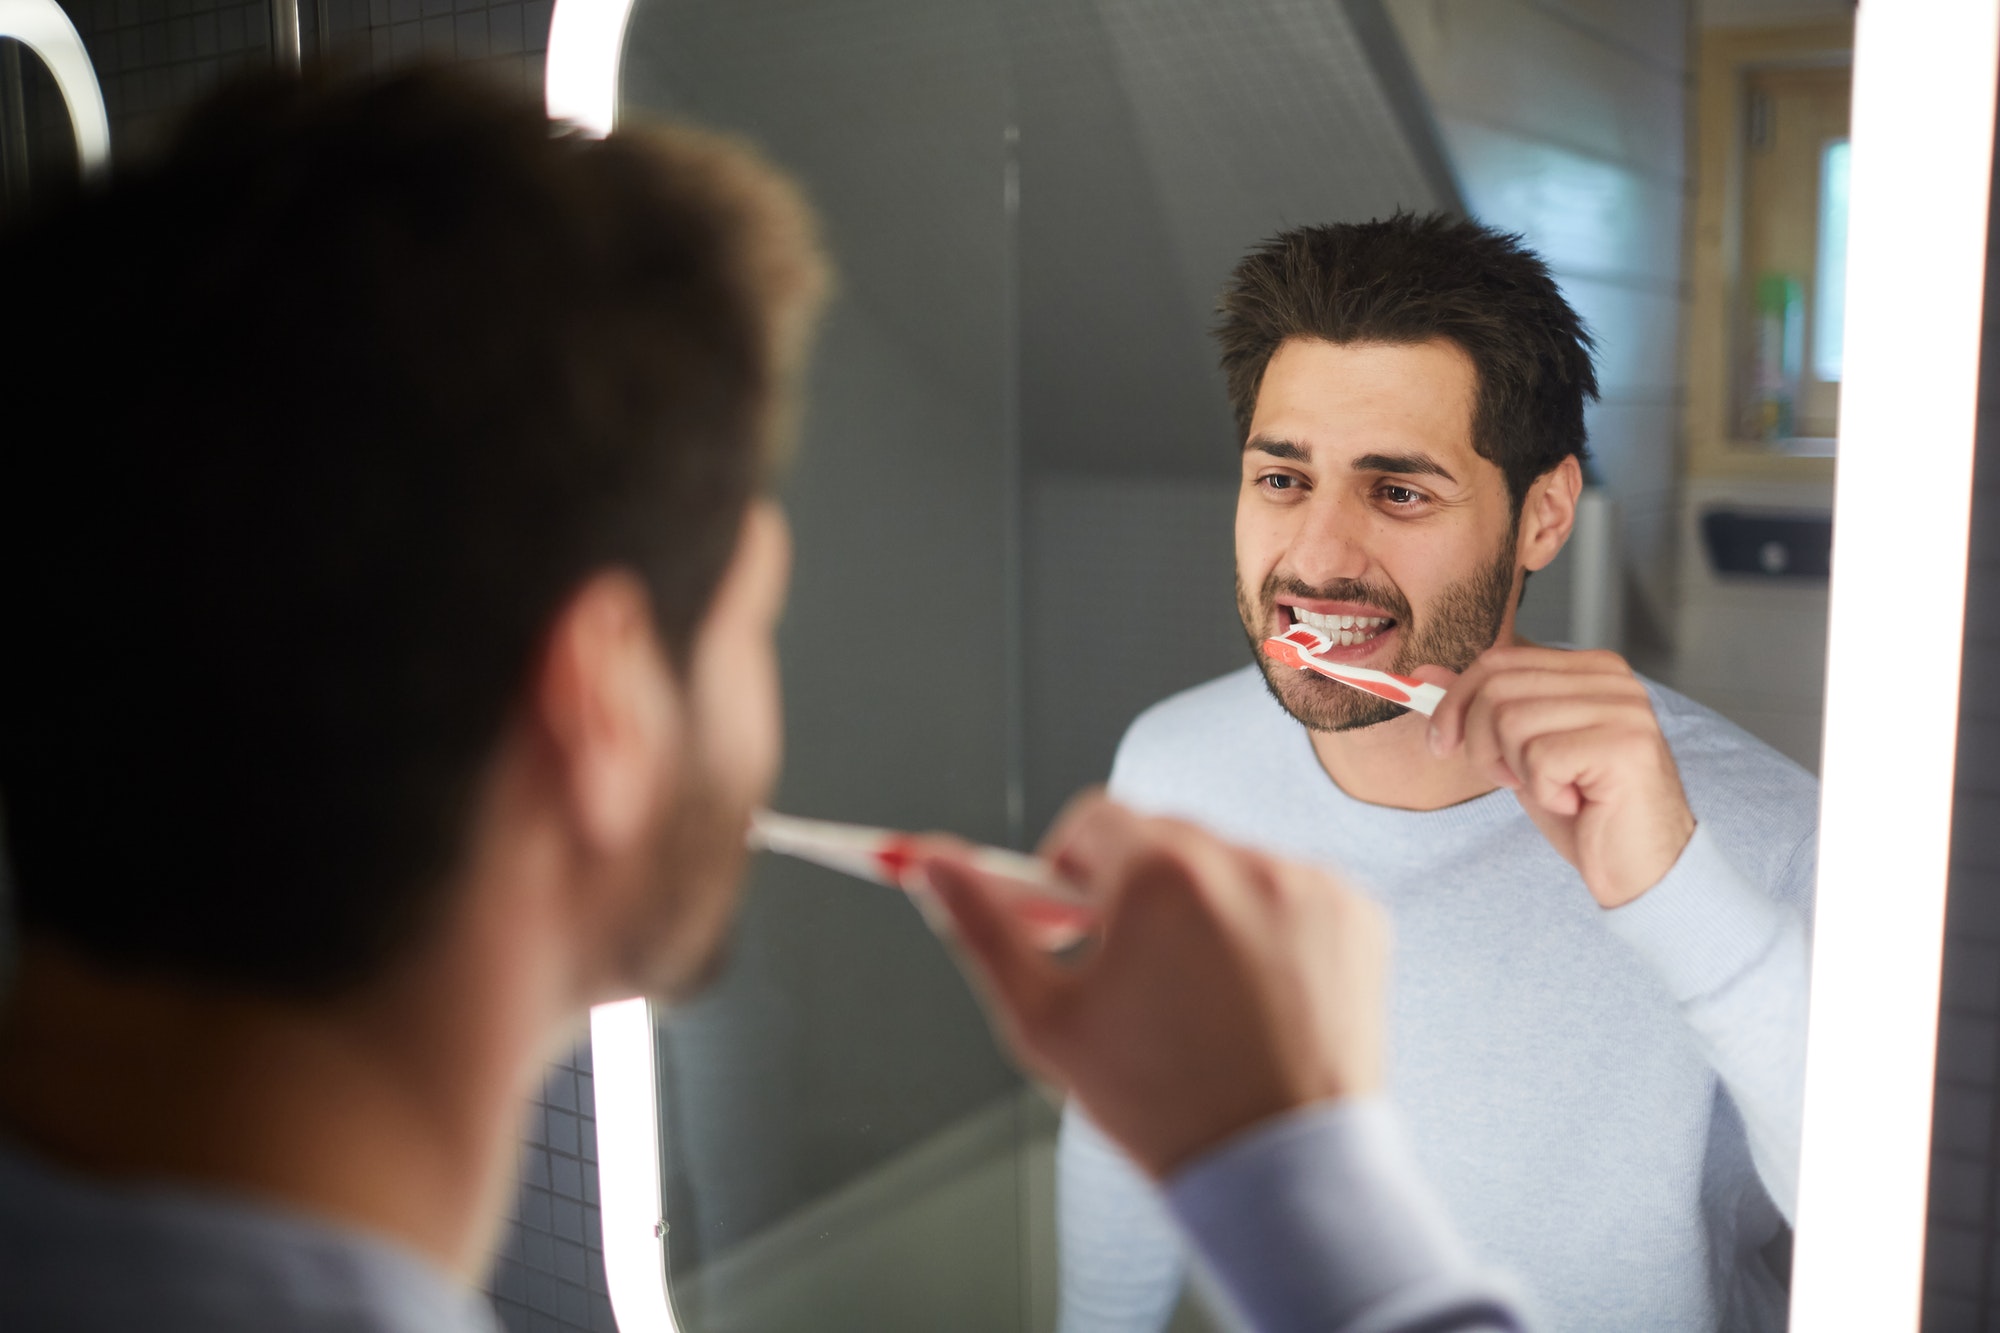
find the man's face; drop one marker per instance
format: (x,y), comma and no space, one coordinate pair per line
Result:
(726,768)
(1366,513)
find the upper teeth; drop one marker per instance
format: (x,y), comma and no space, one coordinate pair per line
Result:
(1320,622)
(1343,630)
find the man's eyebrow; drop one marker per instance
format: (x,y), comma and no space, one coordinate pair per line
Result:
(1410,465)
(1285,449)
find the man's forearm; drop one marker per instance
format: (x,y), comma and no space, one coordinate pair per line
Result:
(1737,963)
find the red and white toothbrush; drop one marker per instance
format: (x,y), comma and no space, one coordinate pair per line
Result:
(1054,909)
(1301,646)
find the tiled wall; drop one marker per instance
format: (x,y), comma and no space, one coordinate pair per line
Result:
(154,57)
(1961,1291)
(548,1272)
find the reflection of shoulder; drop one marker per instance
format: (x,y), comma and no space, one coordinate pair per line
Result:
(1215,725)
(1760,805)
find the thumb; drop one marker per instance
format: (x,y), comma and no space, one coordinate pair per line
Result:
(1019,976)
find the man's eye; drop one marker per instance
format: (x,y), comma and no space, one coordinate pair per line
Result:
(1279,481)
(1401,495)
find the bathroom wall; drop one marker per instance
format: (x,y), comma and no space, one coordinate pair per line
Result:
(1566,122)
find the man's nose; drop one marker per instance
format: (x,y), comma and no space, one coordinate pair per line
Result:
(1330,544)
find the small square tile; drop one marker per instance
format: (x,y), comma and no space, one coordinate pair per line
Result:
(574,1309)
(562,1132)
(438,37)
(566,1221)
(542,1292)
(570,1262)
(503,26)
(565,1177)
(535,23)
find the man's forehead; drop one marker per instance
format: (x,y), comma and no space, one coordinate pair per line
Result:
(1400,407)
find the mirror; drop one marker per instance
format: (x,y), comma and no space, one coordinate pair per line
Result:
(1014,503)
(53,128)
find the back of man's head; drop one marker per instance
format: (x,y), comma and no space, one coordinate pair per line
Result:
(314,423)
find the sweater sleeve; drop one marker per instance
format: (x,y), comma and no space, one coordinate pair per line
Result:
(1319,1222)
(1735,959)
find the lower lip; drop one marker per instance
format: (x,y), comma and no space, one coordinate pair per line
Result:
(1353,654)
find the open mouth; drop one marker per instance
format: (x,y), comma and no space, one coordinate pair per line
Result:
(1344,630)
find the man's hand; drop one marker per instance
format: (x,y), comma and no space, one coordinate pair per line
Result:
(1574,736)
(1226,986)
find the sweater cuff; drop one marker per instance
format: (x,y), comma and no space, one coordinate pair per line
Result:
(1312,1219)
(1702,925)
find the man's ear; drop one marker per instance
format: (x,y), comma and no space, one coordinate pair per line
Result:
(610,712)
(1548,513)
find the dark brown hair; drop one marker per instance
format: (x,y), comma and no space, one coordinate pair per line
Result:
(1411,279)
(316,423)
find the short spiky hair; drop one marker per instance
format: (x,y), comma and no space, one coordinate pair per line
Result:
(315,425)
(1412,279)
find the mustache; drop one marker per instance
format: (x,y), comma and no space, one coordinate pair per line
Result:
(1388,599)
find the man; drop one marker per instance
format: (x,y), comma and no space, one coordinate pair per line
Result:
(1599,888)
(390,590)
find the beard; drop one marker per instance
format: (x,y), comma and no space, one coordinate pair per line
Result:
(1462,622)
(681,946)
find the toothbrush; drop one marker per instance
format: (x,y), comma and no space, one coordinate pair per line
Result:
(1056,909)
(1301,646)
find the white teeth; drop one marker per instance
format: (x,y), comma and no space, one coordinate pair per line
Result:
(1344,630)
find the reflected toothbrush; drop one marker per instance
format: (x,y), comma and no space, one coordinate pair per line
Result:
(1054,908)
(1301,646)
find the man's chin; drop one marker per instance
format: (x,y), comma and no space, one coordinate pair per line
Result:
(1319,704)
(706,974)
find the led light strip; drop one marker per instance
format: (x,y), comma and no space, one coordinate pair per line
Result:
(41,26)
(586,38)
(1921,159)
(622,1065)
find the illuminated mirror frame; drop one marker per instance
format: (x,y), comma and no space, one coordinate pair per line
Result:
(1924,78)
(1922,131)
(42,27)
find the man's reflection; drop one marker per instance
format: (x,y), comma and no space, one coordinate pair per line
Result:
(1599,888)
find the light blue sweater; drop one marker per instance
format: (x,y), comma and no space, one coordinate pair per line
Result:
(1607,1102)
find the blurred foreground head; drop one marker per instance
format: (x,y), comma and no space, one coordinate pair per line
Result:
(316,425)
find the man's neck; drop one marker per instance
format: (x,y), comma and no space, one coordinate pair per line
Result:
(1391,765)
(393,1117)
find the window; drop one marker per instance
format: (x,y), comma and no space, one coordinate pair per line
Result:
(1790,280)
